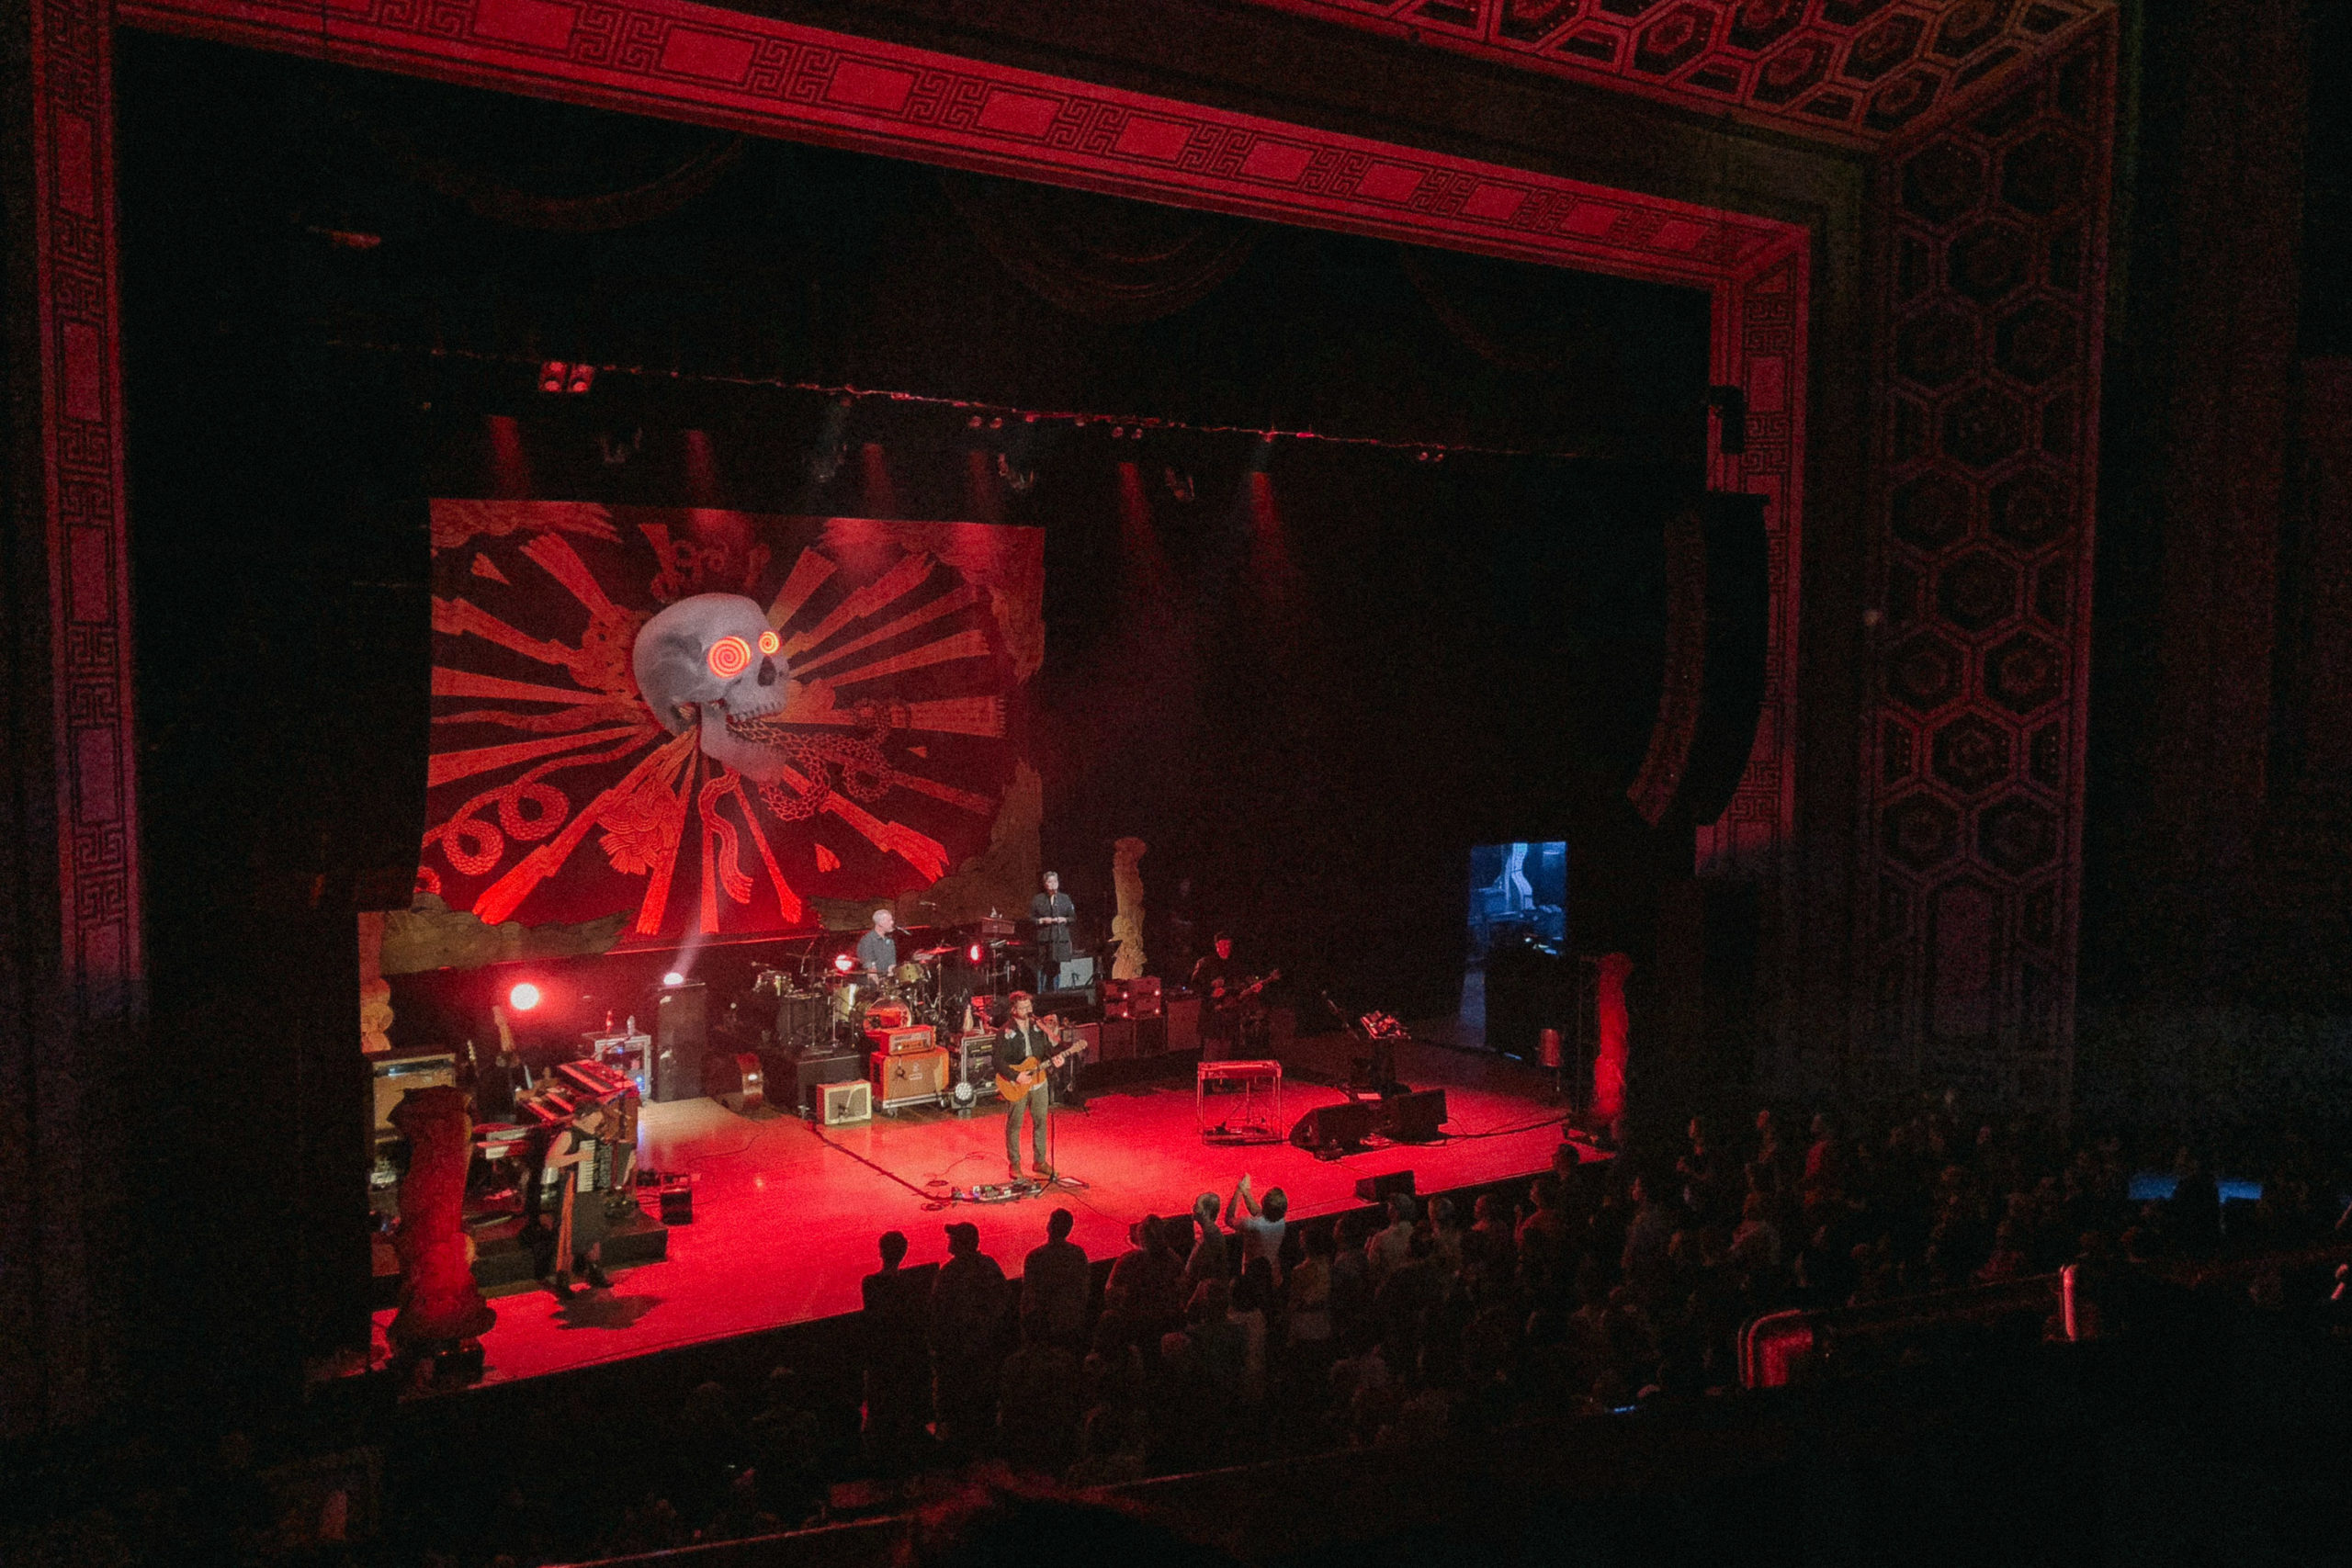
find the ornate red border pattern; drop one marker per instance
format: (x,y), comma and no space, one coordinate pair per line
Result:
(723,67)
(1859,72)
(80,382)
(696,63)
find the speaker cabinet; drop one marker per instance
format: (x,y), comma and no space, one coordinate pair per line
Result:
(1344,1127)
(681,1039)
(1183,1023)
(1380,1188)
(1415,1116)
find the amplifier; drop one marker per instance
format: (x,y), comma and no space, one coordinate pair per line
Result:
(805,1074)
(903,1041)
(1142,985)
(841,1103)
(917,1077)
(1134,1004)
(1118,1040)
(992,927)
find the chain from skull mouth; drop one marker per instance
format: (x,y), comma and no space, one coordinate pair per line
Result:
(852,765)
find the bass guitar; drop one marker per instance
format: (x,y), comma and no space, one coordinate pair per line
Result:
(1235,998)
(1015,1079)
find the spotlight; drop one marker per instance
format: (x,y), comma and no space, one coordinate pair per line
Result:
(976,952)
(523,998)
(583,378)
(553,375)
(673,978)
(843,963)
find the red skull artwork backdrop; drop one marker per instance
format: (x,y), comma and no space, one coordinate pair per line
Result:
(703,719)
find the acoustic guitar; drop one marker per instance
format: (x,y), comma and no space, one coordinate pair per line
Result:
(1015,1079)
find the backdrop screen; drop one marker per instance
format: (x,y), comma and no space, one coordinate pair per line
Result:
(827,708)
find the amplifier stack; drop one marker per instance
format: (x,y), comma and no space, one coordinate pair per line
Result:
(1131,998)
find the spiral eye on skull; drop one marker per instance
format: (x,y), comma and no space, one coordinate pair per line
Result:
(770,642)
(729,657)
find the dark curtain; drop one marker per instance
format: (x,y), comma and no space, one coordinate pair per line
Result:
(1109,261)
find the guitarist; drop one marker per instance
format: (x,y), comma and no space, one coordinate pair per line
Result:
(1025,1056)
(1227,999)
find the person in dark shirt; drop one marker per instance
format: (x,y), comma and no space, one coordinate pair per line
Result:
(1053,1284)
(1051,912)
(966,1309)
(1026,1037)
(897,1364)
(877,950)
(1216,979)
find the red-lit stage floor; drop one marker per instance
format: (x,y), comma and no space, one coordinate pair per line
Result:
(786,1216)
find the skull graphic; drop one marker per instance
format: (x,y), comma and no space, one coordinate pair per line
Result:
(712,652)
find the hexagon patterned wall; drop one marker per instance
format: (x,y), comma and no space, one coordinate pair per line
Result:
(1992,234)
(1865,72)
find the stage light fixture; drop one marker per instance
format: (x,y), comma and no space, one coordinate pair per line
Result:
(976,952)
(583,378)
(845,962)
(523,997)
(673,978)
(553,375)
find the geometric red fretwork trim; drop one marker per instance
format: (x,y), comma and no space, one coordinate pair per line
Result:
(77,321)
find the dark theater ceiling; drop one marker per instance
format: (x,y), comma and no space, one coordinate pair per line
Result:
(1859,72)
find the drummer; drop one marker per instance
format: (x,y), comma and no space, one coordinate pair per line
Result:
(877,950)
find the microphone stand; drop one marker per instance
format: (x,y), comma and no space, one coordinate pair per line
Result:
(1053,1145)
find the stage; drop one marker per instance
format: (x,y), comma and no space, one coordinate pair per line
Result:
(786,1215)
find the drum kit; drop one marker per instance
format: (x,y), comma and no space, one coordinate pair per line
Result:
(821,1008)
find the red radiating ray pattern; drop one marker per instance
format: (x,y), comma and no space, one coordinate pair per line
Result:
(604,813)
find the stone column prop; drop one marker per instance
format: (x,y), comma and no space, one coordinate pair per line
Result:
(1127,926)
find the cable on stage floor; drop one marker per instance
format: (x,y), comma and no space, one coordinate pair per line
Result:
(931,1201)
